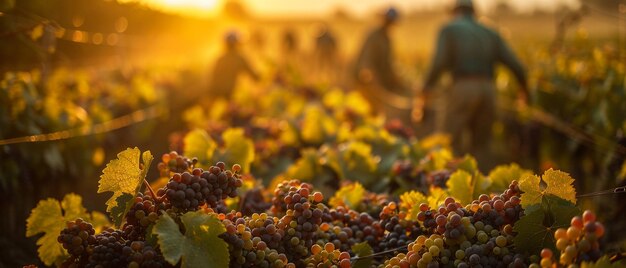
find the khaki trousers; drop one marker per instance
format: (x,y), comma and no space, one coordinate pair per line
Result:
(468,116)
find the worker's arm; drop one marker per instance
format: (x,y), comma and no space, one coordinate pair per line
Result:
(248,69)
(440,62)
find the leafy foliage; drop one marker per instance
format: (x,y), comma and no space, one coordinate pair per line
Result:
(49,217)
(558,183)
(361,250)
(536,229)
(124,176)
(199,144)
(198,245)
(349,195)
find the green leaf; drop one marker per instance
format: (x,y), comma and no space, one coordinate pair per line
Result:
(50,217)
(124,175)
(535,230)
(362,250)
(603,262)
(558,183)
(198,246)
(124,203)
(238,149)
(503,175)
(198,143)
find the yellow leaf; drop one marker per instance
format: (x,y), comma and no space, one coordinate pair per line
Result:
(410,202)
(124,175)
(436,197)
(558,183)
(460,186)
(198,143)
(50,217)
(238,149)
(349,195)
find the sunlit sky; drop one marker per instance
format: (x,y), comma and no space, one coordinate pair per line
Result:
(208,8)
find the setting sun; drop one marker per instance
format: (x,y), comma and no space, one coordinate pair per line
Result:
(200,8)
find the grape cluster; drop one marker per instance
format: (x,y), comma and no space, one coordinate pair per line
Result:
(344,228)
(108,250)
(302,218)
(252,241)
(500,209)
(173,162)
(254,202)
(189,191)
(439,178)
(138,254)
(76,238)
(143,213)
(435,220)
(279,203)
(328,257)
(399,230)
(578,243)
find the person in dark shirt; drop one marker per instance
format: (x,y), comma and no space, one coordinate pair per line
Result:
(228,68)
(374,72)
(470,51)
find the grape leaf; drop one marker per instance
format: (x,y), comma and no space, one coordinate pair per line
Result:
(535,230)
(460,186)
(468,163)
(123,175)
(198,143)
(558,183)
(502,176)
(603,262)
(465,187)
(50,217)
(362,250)
(436,196)
(198,246)
(317,126)
(349,195)
(238,149)
(410,202)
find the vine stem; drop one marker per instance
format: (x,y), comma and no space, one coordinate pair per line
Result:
(156,198)
(378,253)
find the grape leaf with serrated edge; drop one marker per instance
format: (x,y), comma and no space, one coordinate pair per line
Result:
(349,195)
(199,144)
(199,246)
(436,197)
(362,250)
(502,176)
(535,230)
(50,217)
(124,175)
(558,183)
(411,202)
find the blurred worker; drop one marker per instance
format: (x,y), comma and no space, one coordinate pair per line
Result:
(326,58)
(228,68)
(469,51)
(375,74)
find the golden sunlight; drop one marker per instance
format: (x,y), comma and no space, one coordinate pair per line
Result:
(199,8)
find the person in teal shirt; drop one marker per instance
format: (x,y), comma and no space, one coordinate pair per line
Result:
(469,51)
